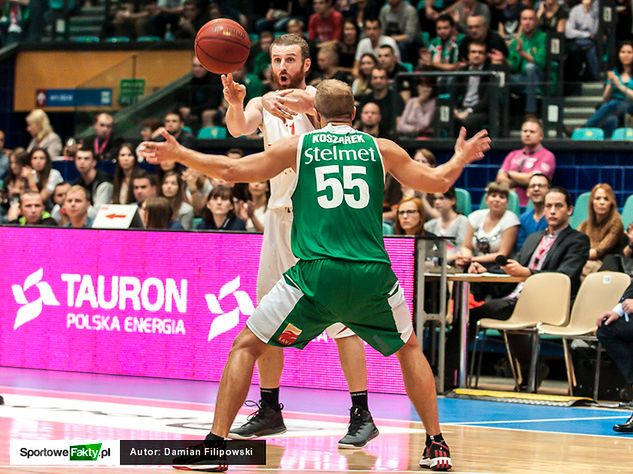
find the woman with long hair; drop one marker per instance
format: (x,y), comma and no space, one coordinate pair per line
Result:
(156,214)
(346,46)
(173,188)
(417,118)
(449,223)
(219,213)
(410,219)
(42,134)
(46,176)
(20,176)
(603,226)
(617,97)
(362,77)
(252,211)
(552,16)
(126,169)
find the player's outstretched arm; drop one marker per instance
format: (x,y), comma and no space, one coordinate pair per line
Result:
(239,120)
(258,167)
(434,180)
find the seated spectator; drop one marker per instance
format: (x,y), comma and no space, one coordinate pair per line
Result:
(59,195)
(427,158)
(326,23)
(622,261)
(202,95)
(410,221)
(533,220)
(190,21)
(510,18)
(360,10)
(617,98)
(174,124)
(43,136)
(219,213)
(419,112)
(373,40)
(145,185)
(533,158)
(362,80)
(327,60)
(46,177)
(370,118)
(103,142)
(552,16)
(173,188)
(280,14)
(260,54)
(559,249)
(581,30)
(222,9)
(97,182)
(198,188)
(254,86)
(156,214)
(126,170)
(478,30)
(388,60)
(4,157)
(491,232)
(253,211)
(20,176)
(76,205)
(399,19)
(346,47)
(603,226)
(464,9)
(388,100)
(14,21)
(150,130)
(31,211)
(473,93)
(443,51)
(449,223)
(528,59)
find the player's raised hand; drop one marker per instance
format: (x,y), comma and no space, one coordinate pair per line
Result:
(473,149)
(278,104)
(234,93)
(158,152)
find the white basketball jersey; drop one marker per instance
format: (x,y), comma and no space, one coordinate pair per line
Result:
(274,129)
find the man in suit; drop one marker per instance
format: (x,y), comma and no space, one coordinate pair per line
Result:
(615,333)
(559,248)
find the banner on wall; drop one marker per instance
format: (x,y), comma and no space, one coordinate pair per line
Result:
(155,304)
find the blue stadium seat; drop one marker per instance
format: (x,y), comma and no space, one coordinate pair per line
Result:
(627,211)
(147,39)
(588,133)
(581,210)
(464,203)
(408,66)
(212,133)
(513,203)
(85,39)
(623,134)
(387,229)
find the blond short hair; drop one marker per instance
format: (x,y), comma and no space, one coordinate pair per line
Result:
(334,99)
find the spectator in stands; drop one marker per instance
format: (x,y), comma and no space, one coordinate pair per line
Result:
(156,214)
(198,188)
(533,158)
(558,249)
(449,223)
(253,211)
(219,213)
(190,21)
(279,14)
(201,96)
(174,124)
(419,112)
(20,176)
(46,176)
(261,54)
(388,60)
(370,118)
(615,333)
(552,16)
(144,184)
(327,60)
(510,18)
(361,10)
(426,157)
(97,182)
(373,40)
(173,188)
(254,87)
(103,142)
(491,231)
(223,9)
(410,219)
(623,261)
(443,52)
(326,23)
(4,157)
(14,21)
(464,9)
(126,170)
(388,100)
(31,211)
(362,81)
(43,136)
(617,98)
(528,59)
(348,44)
(59,195)
(478,30)
(473,93)
(296,27)
(533,220)
(399,20)
(150,130)
(76,205)
(603,226)
(581,30)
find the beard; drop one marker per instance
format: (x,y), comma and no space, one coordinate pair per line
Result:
(290,82)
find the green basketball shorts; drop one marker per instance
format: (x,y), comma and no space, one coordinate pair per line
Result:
(364,296)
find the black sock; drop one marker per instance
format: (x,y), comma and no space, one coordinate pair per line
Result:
(438,438)
(359,399)
(270,396)
(212,437)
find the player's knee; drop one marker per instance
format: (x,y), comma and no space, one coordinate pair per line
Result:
(248,342)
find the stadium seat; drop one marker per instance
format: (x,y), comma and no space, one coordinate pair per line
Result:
(387,229)
(627,211)
(85,39)
(187,129)
(588,133)
(581,210)
(147,39)
(513,203)
(211,133)
(408,66)
(464,203)
(117,39)
(254,37)
(623,134)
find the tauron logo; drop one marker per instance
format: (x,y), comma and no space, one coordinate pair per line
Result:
(31,310)
(227,321)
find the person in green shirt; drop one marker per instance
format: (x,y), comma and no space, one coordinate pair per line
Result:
(343,273)
(527,59)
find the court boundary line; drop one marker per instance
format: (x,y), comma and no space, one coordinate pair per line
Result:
(594,435)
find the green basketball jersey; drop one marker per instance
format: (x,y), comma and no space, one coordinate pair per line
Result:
(338,197)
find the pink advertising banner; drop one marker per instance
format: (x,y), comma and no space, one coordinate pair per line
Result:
(155,304)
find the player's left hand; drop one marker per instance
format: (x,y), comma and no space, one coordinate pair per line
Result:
(278,104)
(473,149)
(159,152)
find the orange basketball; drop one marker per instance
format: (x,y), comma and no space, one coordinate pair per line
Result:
(222,46)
